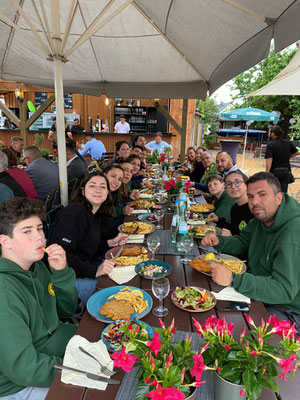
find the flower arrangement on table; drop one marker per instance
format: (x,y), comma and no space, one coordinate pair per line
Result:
(164,160)
(153,158)
(2,143)
(168,370)
(174,185)
(254,361)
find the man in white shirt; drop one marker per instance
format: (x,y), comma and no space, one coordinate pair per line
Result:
(122,126)
(158,144)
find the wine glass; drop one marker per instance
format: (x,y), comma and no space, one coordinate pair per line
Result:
(186,243)
(160,289)
(153,243)
(159,214)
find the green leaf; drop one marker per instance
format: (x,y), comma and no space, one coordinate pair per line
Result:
(141,389)
(270,383)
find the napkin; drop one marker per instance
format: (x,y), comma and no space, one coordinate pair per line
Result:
(196,222)
(139,212)
(231,295)
(123,274)
(135,239)
(145,196)
(76,359)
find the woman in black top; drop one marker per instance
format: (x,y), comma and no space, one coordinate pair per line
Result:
(278,154)
(81,229)
(198,170)
(122,151)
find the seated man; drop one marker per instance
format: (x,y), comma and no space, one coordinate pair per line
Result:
(209,164)
(17,145)
(225,163)
(158,144)
(136,150)
(76,168)
(32,297)
(271,243)
(93,147)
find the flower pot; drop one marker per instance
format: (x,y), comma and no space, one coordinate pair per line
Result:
(225,390)
(193,392)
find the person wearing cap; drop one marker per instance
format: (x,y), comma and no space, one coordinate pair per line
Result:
(93,147)
(122,126)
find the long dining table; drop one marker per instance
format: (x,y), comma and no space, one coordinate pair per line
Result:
(182,275)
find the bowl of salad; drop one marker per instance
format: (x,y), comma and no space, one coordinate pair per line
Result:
(153,269)
(193,299)
(117,335)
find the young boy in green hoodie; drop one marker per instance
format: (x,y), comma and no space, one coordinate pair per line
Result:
(32,298)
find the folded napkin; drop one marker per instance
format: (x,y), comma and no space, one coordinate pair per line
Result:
(135,239)
(231,295)
(123,274)
(76,359)
(196,222)
(145,196)
(139,212)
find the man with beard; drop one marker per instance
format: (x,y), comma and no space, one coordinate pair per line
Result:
(271,243)
(225,163)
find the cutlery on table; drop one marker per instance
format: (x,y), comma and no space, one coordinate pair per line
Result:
(117,255)
(104,370)
(88,374)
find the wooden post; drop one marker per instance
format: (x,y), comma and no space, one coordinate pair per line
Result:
(183,129)
(23,118)
(40,111)
(167,116)
(9,114)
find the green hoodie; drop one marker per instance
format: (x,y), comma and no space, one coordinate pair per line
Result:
(273,254)
(32,338)
(223,206)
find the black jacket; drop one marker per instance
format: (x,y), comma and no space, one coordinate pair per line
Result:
(83,236)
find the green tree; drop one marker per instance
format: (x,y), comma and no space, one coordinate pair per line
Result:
(208,109)
(295,133)
(259,76)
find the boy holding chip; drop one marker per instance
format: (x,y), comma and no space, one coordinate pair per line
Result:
(32,297)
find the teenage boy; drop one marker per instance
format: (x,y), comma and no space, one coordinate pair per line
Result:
(32,297)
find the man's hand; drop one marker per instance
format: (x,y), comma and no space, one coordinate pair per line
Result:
(118,240)
(210,240)
(213,217)
(134,194)
(226,232)
(105,268)
(220,274)
(127,210)
(56,257)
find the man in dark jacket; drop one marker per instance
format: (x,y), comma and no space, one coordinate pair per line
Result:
(76,168)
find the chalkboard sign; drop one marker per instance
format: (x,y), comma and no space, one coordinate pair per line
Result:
(68,100)
(40,98)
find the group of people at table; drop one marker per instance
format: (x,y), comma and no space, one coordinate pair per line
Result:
(40,281)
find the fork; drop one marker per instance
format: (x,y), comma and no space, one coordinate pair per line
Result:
(103,369)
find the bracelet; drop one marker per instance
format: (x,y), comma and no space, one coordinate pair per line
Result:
(232,280)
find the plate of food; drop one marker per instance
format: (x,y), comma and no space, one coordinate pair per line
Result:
(197,219)
(131,254)
(202,208)
(199,231)
(147,217)
(193,299)
(141,204)
(139,228)
(119,303)
(114,336)
(202,263)
(153,269)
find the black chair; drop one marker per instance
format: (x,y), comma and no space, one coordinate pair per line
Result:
(49,199)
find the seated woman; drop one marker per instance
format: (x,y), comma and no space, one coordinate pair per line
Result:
(198,170)
(221,200)
(136,179)
(240,213)
(79,229)
(122,151)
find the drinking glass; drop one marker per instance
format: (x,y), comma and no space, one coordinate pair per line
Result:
(153,243)
(160,289)
(186,243)
(159,213)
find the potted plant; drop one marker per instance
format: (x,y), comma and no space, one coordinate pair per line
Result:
(168,370)
(153,158)
(254,362)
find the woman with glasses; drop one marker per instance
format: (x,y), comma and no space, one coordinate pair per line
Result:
(240,213)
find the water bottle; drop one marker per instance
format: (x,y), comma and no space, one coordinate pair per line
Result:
(82,145)
(182,198)
(174,224)
(182,229)
(165,174)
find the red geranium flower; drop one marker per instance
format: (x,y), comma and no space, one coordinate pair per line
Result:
(154,344)
(123,360)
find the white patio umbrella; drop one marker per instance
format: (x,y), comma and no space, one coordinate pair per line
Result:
(137,48)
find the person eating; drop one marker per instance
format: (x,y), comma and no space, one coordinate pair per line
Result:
(221,200)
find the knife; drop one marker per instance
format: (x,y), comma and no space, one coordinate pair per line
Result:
(88,374)
(117,255)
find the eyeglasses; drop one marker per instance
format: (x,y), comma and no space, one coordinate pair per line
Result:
(236,183)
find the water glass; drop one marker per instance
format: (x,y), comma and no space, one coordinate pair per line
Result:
(153,243)
(159,213)
(160,289)
(186,243)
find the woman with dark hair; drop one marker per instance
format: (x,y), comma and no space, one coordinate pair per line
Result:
(278,154)
(136,163)
(80,229)
(122,151)
(115,175)
(189,164)
(198,170)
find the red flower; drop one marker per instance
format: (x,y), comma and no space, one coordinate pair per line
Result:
(167,185)
(174,395)
(161,393)
(172,182)
(146,380)
(253,353)
(227,347)
(154,344)
(283,327)
(242,392)
(198,367)
(249,319)
(123,360)
(153,383)
(286,365)
(163,326)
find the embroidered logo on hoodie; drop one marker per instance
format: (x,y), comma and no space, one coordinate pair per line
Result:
(51,289)
(66,240)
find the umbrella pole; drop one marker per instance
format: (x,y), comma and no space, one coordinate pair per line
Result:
(60,127)
(245,143)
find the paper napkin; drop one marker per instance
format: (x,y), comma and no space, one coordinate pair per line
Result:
(231,295)
(135,239)
(76,359)
(139,212)
(123,274)
(145,196)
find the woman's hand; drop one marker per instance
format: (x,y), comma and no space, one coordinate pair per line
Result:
(134,194)
(226,232)
(56,257)
(119,240)
(105,268)
(213,217)
(127,210)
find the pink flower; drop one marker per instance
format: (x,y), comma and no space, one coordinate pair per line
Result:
(242,334)
(172,182)
(249,319)
(161,393)
(167,185)
(242,392)
(123,360)
(227,347)
(153,383)
(154,344)
(253,352)
(175,395)
(198,367)
(146,380)
(170,358)
(218,369)
(130,326)
(286,365)
(230,329)
(204,347)
(260,339)
(283,327)
(163,326)
(137,329)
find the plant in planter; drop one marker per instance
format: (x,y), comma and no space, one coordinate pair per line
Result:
(168,370)
(174,185)
(153,158)
(254,361)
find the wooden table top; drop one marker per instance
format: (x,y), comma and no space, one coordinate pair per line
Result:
(181,275)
